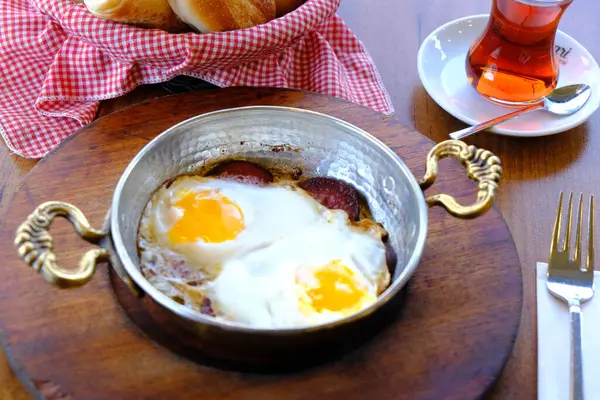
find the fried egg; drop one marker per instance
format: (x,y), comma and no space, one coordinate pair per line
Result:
(210,221)
(267,256)
(323,273)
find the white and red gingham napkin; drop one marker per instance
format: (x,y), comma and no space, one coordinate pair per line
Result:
(57,61)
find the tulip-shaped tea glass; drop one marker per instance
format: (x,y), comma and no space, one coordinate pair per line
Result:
(514,60)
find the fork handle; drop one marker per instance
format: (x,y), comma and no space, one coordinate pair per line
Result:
(576,354)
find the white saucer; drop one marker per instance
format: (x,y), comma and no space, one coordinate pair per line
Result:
(441,63)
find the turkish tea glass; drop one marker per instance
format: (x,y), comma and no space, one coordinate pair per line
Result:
(514,61)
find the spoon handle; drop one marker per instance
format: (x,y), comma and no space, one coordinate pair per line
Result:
(484,125)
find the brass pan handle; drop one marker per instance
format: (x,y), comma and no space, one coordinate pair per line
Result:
(36,246)
(482,166)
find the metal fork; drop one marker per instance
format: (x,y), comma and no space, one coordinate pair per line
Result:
(572,281)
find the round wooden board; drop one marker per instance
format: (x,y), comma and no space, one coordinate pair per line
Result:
(451,339)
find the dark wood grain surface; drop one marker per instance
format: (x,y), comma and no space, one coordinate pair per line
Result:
(535,170)
(448,338)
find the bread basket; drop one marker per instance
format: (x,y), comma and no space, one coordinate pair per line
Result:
(74,60)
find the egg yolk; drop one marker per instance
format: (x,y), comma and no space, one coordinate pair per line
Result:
(207,215)
(336,289)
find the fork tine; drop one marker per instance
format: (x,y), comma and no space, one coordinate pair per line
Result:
(556,234)
(578,233)
(567,245)
(590,257)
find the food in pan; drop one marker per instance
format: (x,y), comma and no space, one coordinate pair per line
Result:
(242,244)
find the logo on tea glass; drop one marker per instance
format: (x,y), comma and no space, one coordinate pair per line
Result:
(562,53)
(524,57)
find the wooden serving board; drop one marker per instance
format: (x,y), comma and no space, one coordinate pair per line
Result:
(454,333)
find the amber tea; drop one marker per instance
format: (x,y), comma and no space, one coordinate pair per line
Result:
(513,61)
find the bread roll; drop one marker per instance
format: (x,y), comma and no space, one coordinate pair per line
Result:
(143,13)
(223,15)
(285,6)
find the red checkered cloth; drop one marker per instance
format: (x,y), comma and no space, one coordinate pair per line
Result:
(58,61)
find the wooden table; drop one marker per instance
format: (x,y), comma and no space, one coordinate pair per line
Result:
(535,169)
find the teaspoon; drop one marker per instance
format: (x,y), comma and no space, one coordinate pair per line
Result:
(565,100)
